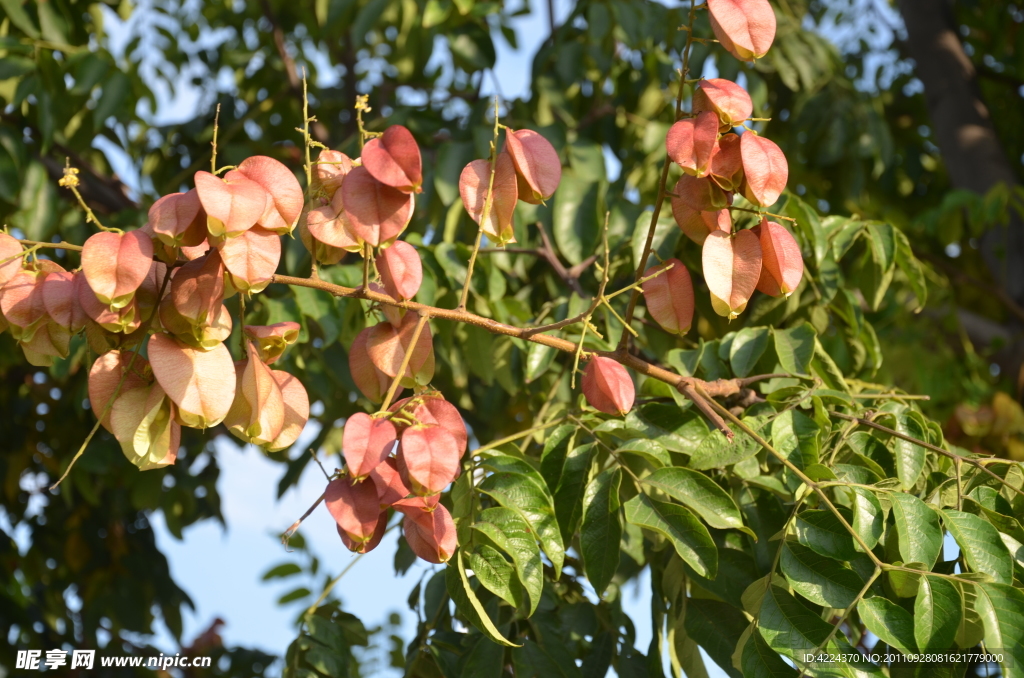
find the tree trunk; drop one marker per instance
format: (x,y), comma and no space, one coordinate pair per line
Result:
(963,128)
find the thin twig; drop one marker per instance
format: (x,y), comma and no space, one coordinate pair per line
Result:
(295,526)
(409,350)
(49,245)
(485,215)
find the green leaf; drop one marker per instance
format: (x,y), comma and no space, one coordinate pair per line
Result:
(602,529)
(747,348)
(819,579)
(571,488)
(534,659)
(717,451)
(528,496)
(465,599)
(717,627)
(911,268)
(538,359)
(296,594)
(651,450)
(909,457)
(556,445)
(761,661)
(496,574)
(666,236)
(937,611)
(890,622)
(1001,609)
(820,531)
(575,217)
(795,348)
(796,436)
(281,571)
(868,516)
(917,526)
(16,13)
(510,533)
(485,660)
(882,239)
(700,493)
(788,626)
(688,535)
(982,547)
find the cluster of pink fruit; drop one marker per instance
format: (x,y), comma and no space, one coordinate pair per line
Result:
(429,439)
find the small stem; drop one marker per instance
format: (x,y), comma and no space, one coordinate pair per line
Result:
(409,350)
(213,143)
(517,436)
(485,215)
(70,181)
(845,615)
(47,245)
(20,255)
(761,214)
(295,526)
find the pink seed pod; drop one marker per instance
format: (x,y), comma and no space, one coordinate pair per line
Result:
(387,345)
(608,386)
(116,264)
(701,194)
(200,382)
(378,213)
(296,410)
(430,533)
(106,373)
(196,294)
(669,297)
(282,210)
(782,265)
(233,204)
(365,547)
(251,258)
(272,340)
(10,248)
(690,142)
(727,163)
(400,270)
(727,99)
(370,381)
(330,170)
(329,225)
(732,266)
(394,159)
(696,225)
(257,412)
(60,297)
(538,168)
(432,408)
(765,169)
(428,459)
(745,28)
(142,421)
(354,508)
(178,219)
(388,480)
(473,186)
(366,442)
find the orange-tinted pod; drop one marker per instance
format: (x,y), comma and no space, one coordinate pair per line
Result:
(116,264)
(330,225)
(272,340)
(388,480)
(377,212)
(696,225)
(430,533)
(727,99)
(701,194)
(400,270)
(296,410)
(765,169)
(60,296)
(428,458)
(365,547)
(394,159)
(282,210)
(251,258)
(690,142)
(387,345)
(608,386)
(233,204)
(432,408)
(732,265)
(371,382)
(10,248)
(669,297)
(473,185)
(106,373)
(142,421)
(178,219)
(200,382)
(330,170)
(538,168)
(366,442)
(354,508)
(745,28)
(782,265)
(727,163)
(257,413)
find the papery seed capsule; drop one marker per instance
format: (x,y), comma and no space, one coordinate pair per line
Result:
(782,265)
(272,340)
(329,225)
(669,297)
(690,142)
(143,423)
(538,167)
(10,248)
(727,163)
(251,258)
(106,373)
(432,408)
(732,265)
(178,219)
(428,459)
(296,410)
(400,270)
(696,225)
(257,413)
(365,547)
(608,386)
(388,481)
(430,534)
(200,382)
(474,183)
(285,205)
(233,204)
(745,28)
(116,264)
(387,345)
(330,170)
(366,443)
(394,159)
(701,194)
(60,296)
(371,381)
(377,212)
(354,508)
(730,101)
(765,169)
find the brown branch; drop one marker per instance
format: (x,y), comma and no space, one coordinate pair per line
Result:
(686,385)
